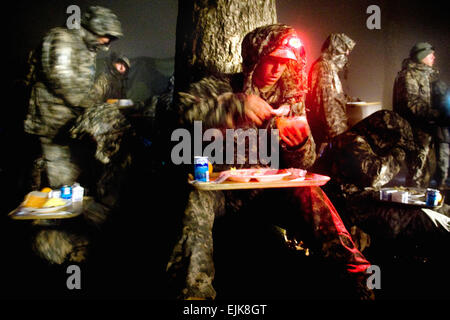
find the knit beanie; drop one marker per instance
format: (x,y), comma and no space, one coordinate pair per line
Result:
(420,51)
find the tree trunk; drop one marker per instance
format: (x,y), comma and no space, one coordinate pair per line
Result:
(209,35)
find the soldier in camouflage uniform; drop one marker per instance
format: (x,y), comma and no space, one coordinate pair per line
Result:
(273,76)
(412,100)
(369,155)
(111,84)
(326,101)
(63,77)
(364,159)
(378,144)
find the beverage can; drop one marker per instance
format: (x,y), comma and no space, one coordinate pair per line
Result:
(432,197)
(201,169)
(66,192)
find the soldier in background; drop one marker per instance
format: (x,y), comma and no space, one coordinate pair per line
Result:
(63,77)
(111,84)
(378,144)
(413,101)
(326,101)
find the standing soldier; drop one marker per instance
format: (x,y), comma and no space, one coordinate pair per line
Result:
(412,100)
(326,101)
(63,76)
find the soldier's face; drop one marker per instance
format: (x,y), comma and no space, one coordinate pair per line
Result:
(120,67)
(103,40)
(269,71)
(429,59)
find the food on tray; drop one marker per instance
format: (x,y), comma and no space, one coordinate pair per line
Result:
(210,168)
(35,199)
(262,174)
(54,202)
(46,189)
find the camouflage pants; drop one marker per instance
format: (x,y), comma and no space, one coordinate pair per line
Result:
(443,157)
(423,162)
(306,212)
(61,169)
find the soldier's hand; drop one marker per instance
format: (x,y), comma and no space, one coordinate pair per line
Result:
(256,109)
(293,131)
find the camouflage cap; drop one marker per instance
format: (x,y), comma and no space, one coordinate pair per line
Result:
(102,22)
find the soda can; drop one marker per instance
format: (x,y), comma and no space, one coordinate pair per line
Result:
(201,169)
(432,197)
(66,192)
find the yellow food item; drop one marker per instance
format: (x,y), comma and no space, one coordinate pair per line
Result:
(54,202)
(210,168)
(35,200)
(46,189)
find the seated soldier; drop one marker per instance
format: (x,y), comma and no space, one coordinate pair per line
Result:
(273,76)
(366,158)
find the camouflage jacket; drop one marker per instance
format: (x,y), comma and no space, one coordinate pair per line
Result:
(106,125)
(412,94)
(326,101)
(371,153)
(63,77)
(218,101)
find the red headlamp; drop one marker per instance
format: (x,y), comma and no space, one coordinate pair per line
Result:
(287,48)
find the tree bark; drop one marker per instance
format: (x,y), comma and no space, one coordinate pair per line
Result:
(209,35)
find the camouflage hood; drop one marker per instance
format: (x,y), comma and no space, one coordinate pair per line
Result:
(263,41)
(114,58)
(335,48)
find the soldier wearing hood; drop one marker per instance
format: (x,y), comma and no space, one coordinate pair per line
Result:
(64,70)
(412,99)
(373,151)
(273,76)
(326,101)
(111,84)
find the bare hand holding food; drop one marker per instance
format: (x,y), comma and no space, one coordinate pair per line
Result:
(293,130)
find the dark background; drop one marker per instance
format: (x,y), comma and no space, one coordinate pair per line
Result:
(149,28)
